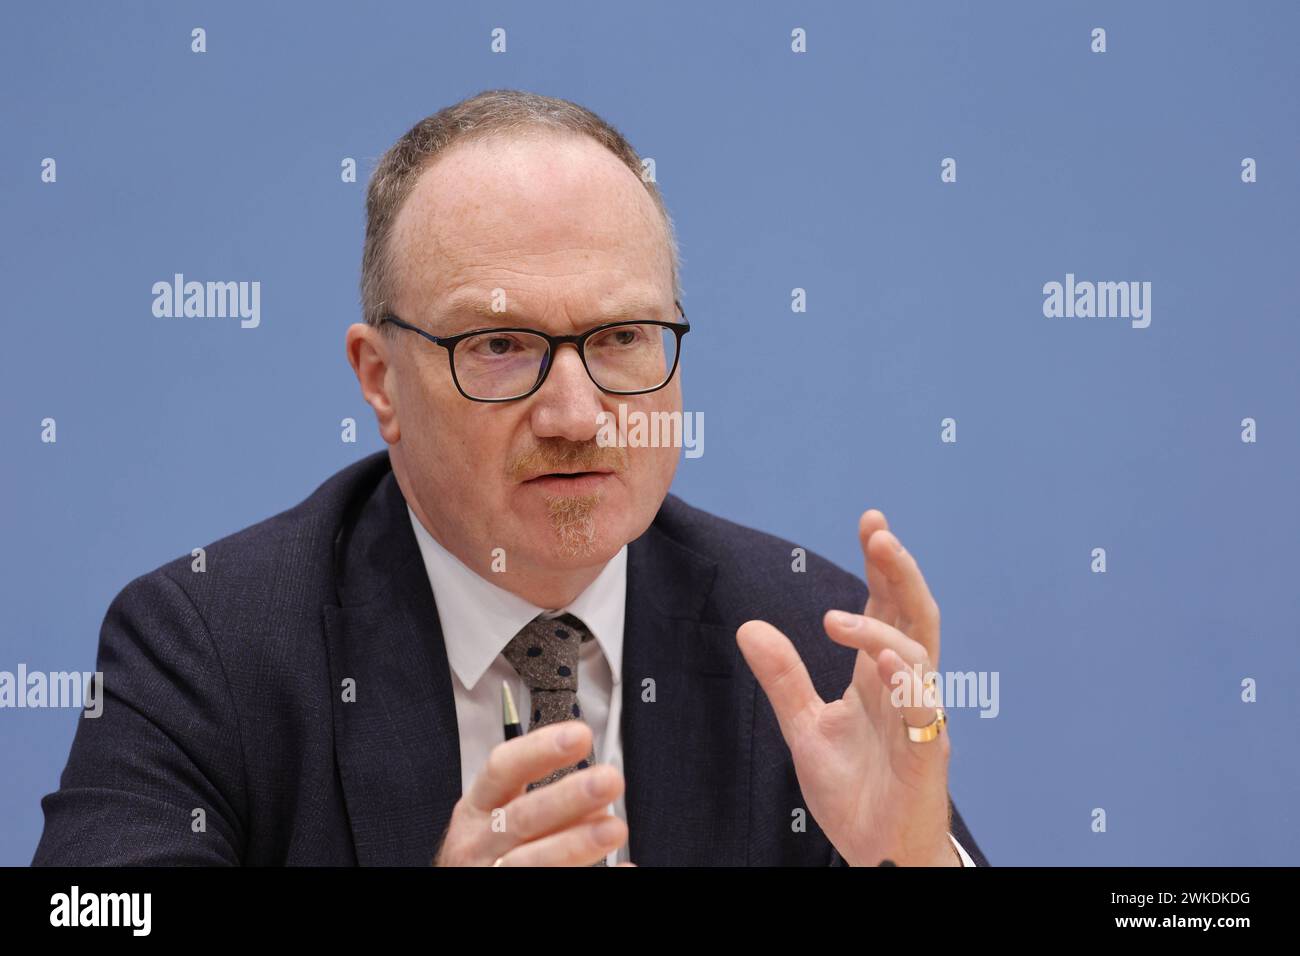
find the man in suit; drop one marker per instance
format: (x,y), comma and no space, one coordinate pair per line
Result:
(328,690)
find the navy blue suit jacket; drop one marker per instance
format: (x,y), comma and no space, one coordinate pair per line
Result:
(223,694)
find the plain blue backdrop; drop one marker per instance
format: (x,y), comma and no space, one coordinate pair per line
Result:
(819,171)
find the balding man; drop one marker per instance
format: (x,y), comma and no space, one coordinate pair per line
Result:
(330,690)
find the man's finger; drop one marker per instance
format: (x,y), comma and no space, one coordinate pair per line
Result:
(514,764)
(880,604)
(575,796)
(873,636)
(580,845)
(780,673)
(918,610)
(881,642)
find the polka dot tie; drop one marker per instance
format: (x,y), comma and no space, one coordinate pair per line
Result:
(545,653)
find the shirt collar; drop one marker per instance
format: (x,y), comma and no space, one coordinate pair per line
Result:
(480,618)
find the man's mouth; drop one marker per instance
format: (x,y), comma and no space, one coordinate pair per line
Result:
(573,482)
(570,473)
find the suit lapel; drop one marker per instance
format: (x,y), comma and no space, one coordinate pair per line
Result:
(688,708)
(397,744)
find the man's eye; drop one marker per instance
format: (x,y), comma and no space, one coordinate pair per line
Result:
(490,345)
(620,338)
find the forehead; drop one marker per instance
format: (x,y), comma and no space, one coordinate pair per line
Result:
(539,215)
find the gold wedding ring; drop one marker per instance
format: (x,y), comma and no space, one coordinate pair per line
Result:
(923,735)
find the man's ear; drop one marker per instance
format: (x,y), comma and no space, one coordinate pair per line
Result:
(368,354)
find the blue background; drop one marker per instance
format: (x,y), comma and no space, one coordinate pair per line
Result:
(820,171)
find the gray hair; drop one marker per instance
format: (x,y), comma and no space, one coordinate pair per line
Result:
(492,112)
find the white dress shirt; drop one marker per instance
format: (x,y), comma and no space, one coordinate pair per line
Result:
(479,619)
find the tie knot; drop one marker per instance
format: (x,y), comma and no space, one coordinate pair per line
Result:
(545,652)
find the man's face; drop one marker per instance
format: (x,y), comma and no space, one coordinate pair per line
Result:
(566,235)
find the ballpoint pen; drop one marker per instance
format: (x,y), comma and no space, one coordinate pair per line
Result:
(509,716)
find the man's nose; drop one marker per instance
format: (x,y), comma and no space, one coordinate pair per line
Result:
(568,404)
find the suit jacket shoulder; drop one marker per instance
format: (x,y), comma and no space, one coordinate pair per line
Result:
(215,692)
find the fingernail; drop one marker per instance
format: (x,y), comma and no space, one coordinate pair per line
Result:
(898,545)
(846,620)
(568,737)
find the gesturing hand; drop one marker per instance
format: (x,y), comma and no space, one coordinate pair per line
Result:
(874,792)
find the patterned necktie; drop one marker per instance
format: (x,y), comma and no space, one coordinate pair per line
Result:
(545,653)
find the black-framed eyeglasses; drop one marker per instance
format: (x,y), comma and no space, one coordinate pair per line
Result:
(506,364)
